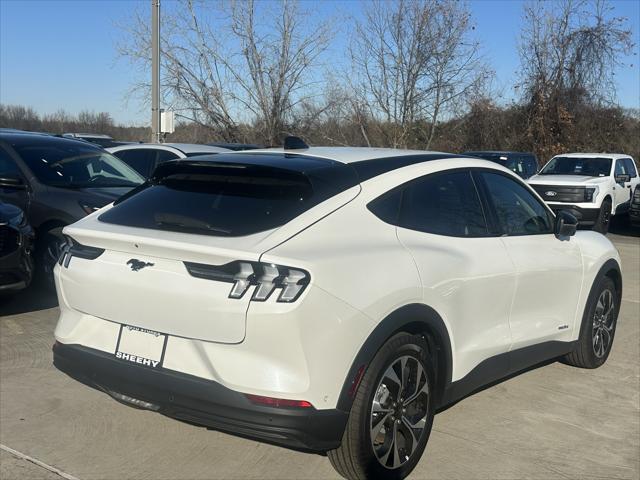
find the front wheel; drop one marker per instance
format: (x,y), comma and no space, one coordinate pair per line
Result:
(392,414)
(604,218)
(598,327)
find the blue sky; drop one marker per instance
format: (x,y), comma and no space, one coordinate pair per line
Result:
(62,53)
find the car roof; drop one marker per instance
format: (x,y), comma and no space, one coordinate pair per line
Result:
(185,148)
(366,162)
(34,138)
(5,131)
(87,135)
(497,152)
(613,156)
(347,154)
(236,146)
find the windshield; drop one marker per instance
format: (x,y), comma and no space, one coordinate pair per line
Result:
(74,165)
(588,166)
(512,162)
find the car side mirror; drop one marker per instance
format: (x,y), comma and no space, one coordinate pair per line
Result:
(566,224)
(13,181)
(623,178)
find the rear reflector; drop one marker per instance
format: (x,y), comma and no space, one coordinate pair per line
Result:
(278,402)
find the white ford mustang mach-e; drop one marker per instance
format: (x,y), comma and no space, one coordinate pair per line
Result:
(328,299)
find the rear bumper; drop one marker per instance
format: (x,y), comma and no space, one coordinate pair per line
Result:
(585,216)
(201,402)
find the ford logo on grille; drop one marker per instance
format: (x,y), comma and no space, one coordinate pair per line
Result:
(550,193)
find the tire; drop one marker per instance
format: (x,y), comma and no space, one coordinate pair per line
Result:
(599,321)
(357,457)
(604,218)
(48,253)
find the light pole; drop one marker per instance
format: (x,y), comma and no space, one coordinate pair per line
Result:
(156,134)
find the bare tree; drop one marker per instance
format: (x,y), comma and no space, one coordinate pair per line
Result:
(238,61)
(412,61)
(569,52)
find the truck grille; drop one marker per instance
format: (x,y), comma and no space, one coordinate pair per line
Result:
(559,193)
(8,240)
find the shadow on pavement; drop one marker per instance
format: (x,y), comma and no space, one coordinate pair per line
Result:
(36,297)
(620,225)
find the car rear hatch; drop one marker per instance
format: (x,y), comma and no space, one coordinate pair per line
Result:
(130,263)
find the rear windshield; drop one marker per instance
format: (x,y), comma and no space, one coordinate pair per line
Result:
(588,166)
(225,200)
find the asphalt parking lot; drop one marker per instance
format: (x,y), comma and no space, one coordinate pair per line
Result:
(550,422)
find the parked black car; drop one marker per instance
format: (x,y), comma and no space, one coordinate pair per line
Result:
(524,164)
(105,141)
(56,181)
(16,246)
(634,208)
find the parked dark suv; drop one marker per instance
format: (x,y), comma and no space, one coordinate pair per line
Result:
(56,181)
(16,244)
(634,208)
(524,164)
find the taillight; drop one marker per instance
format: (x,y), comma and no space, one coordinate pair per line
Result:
(278,402)
(266,277)
(71,249)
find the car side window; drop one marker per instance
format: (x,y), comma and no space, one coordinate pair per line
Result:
(621,168)
(387,206)
(7,165)
(443,204)
(166,155)
(142,160)
(630,167)
(518,212)
(531,166)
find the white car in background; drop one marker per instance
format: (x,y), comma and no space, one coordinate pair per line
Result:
(145,157)
(592,186)
(328,299)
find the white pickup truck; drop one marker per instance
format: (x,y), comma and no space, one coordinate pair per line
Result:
(592,186)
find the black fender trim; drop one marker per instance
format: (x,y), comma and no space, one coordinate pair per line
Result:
(501,367)
(608,266)
(201,402)
(412,318)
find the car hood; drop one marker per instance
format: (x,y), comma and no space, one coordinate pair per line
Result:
(104,195)
(565,180)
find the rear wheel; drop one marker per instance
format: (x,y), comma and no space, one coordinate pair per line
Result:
(604,217)
(392,414)
(598,327)
(48,253)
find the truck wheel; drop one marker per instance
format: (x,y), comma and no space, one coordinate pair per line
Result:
(604,218)
(392,413)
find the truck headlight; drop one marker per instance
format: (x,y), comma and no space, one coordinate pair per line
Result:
(590,194)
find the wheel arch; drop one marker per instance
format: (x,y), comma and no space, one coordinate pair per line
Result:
(415,318)
(47,226)
(611,269)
